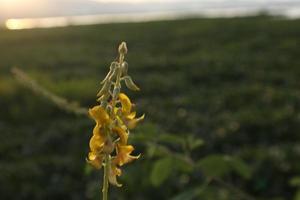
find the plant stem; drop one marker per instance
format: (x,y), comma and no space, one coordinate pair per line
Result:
(105,178)
(118,79)
(113,103)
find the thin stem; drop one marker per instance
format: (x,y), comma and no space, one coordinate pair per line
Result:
(113,103)
(61,102)
(105,178)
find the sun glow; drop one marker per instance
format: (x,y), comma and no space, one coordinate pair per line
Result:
(27,23)
(15,24)
(133,1)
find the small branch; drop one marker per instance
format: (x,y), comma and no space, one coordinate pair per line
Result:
(62,103)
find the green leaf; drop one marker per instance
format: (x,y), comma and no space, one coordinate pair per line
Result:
(240,167)
(295,181)
(214,165)
(194,142)
(220,165)
(171,139)
(189,194)
(161,171)
(193,193)
(297,195)
(146,132)
(182,165)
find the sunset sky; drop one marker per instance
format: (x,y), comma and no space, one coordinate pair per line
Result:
(53,8)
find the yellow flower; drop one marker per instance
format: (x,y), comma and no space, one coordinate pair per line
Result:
(128,116)
(131,124)
(122,134)
(99,115)
(123,154)
(114,171)
(126,104)
(95,159)
(96,130)
(114,117)
(97,141)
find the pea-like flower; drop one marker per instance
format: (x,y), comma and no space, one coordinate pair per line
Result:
(114,117)
(127,115)
(95,156)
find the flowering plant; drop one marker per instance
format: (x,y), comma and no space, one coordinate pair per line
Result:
(114,117)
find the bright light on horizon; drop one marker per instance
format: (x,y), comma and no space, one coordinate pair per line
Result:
(23,14)
(17,24)
(28,23)
(14,24)
(134,1)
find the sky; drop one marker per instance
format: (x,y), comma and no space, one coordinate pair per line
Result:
(54,8)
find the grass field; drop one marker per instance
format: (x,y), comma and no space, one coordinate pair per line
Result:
(232,82)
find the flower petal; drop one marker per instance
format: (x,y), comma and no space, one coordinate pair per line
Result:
(131,115)
(126,103)
(123,154)
(114,171)
(96,143)
(96,130)
(95,160)
(99,115)
(122,134)
(131,124)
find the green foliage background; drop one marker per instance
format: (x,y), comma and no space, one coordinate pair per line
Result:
(221,98)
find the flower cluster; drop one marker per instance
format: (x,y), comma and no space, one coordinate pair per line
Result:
(114,117)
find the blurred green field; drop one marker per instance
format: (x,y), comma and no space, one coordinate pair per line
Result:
(233,83)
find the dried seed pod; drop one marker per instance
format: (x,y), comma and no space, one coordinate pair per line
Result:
(130,84)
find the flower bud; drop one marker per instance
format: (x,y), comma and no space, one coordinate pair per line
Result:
(124,68)
(112,68)
(114,73)
(104,97)
(130,84)
(104,89)
(103,104)
(116,92)
(123,48)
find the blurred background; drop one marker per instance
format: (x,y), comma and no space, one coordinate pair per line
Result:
(220,90)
